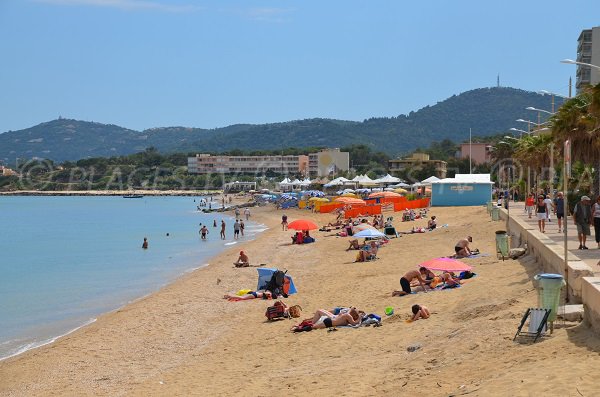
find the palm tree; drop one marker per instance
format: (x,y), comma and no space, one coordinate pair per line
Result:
(578,120)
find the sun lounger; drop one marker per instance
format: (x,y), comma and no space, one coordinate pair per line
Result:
(537,323)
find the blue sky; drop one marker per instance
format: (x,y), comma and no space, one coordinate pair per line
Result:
(157,63)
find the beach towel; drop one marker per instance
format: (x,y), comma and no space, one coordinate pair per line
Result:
(480,255)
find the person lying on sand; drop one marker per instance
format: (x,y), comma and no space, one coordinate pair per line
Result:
(243,260)
(462,249)
(249,295)
(419,311)
(325,319)
(411,275)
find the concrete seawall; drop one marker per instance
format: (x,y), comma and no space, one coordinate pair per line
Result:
(583,281)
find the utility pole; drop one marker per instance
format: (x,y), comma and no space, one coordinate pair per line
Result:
(470,153)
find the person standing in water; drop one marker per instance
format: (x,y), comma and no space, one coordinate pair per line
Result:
(215,223)
(242,226)
(203,232)
(145,243)
(222,229)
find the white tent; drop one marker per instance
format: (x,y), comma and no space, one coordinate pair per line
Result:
(429,180)
(364,180)
(341,181)
(388,179)
(305,182)
(401,184)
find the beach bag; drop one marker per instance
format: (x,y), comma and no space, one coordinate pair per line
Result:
(294,311)
(278,310)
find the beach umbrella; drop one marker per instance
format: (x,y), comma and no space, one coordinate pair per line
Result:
(400,190)
(349,200)
(384,194)
(302,224)
(361,227)
(264,276)
(369,233)
(445,264)
(348,195)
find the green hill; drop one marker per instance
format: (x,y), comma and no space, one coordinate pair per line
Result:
(486,111)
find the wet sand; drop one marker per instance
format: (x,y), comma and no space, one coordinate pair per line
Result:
(186,340)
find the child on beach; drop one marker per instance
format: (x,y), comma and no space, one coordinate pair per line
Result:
(419,311)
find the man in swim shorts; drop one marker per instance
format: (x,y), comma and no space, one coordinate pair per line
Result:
(405,281)
(461,248)
(203,232)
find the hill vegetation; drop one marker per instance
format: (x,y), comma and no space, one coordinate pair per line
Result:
(486,111)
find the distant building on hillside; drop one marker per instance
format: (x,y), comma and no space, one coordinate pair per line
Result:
(323,163)
(5,171)
(588,51)
(480,152)
(328,162)
(417,160)
(208,164)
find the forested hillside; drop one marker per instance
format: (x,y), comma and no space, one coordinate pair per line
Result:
(486,111)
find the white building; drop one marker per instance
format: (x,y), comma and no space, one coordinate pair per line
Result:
(588,51)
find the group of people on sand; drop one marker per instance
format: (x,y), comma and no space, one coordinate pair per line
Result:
(302,237)
(422,279)
(425,280)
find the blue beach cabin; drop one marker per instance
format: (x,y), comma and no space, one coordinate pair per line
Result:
(462,190)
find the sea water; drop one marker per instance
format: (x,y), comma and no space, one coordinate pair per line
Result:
(65,260)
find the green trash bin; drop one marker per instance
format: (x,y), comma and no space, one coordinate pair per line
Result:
(549,286)
(502,246)
(495,214)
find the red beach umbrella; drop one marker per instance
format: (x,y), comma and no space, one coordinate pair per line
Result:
(302,224)
(446,264)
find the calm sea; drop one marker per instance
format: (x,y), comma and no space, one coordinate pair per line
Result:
(64,260)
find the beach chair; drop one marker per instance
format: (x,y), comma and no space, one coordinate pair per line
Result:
(390,231)
(538,319)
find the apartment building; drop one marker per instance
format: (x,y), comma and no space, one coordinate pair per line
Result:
(480,153)
(208,164)
(418,160)
(328,162)
(588,51)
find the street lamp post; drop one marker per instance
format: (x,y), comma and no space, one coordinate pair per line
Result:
(551,176)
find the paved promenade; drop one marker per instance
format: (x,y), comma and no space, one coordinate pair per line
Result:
(590,256)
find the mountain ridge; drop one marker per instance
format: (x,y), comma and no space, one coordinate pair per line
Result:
(486,111)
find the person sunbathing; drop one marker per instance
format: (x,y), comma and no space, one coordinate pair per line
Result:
(405,281)
(243,260)
(419,311)
(249,295)
(354,245)
(369,252)
(462,249)
(326,319)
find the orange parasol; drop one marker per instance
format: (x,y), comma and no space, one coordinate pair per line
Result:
(384,194)
(350,200)
(302,224)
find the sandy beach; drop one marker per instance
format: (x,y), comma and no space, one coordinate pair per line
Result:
(186,340)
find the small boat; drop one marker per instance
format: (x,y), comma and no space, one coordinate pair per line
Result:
(133,196)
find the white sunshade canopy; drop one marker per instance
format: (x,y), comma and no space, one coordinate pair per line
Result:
(430,179)
(387,179)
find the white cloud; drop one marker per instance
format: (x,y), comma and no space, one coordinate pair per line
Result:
(125,5)
(261,14)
